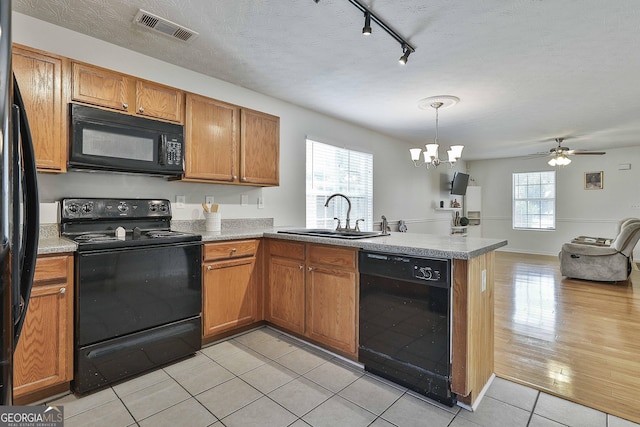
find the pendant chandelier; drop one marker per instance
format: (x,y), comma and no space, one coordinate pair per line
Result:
(431,157)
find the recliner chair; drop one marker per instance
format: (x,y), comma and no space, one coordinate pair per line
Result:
(608,264)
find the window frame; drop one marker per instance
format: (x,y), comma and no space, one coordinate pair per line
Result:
(317,191)
(539,199)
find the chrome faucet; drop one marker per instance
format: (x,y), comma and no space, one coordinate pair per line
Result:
(384,225)
(347,226)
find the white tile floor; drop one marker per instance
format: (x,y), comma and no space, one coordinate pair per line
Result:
(264,378)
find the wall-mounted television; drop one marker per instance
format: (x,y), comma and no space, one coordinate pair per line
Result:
(459,183)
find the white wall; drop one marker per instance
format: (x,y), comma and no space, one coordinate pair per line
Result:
(400,190)
(578,211)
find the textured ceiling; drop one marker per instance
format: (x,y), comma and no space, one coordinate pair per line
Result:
(526,71)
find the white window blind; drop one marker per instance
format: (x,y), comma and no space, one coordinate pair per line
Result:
(332,170)
(534,200)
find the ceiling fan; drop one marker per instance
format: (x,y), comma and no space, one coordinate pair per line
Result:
(559,155)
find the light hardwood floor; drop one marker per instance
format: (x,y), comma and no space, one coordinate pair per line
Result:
(575,339)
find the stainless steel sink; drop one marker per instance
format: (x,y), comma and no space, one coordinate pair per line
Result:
(320,232)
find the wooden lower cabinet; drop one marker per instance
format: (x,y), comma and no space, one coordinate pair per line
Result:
(43,360)
(286,294)
(230,290)
(313,291)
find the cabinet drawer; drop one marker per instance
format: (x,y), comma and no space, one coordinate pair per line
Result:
(234,249)
(333,256)
(51,269)
(286,249)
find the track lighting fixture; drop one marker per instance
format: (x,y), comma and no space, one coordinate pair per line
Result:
(366,30)
(405,55)
(407,49)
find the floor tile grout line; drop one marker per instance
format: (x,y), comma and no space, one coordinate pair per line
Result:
(533,409)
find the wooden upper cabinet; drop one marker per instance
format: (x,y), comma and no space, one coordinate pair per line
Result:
(40,77)
(99,86)
(43,360)
(259,148)
(117,91)
(211,139)
(159,101)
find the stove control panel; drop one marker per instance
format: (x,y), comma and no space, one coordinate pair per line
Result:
(90,209)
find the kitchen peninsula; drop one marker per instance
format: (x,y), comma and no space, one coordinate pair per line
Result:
(472,280)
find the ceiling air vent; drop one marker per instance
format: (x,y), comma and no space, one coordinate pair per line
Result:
(164,26)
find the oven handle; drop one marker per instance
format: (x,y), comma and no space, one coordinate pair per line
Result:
(141,247)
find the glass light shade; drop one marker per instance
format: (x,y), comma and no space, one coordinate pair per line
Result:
(415,153)
(452,156)
(552,162)
(457,150)
(564,160)
(432,150)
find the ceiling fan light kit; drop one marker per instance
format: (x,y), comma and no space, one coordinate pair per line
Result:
(431,157)
(559,154)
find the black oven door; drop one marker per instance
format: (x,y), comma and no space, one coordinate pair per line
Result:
(104,140)
(123,291)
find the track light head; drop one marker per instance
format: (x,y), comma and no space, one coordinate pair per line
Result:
(405,55)
(366,30)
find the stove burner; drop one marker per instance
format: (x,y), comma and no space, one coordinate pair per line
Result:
(161,234)
(92,236)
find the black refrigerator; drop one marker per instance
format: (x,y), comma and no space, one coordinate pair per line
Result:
(19,208)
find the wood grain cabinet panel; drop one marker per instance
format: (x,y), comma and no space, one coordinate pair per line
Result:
(99,86)
(211,133)
(40,77)
(331,307)
(313,291)
(285,305)
(159,101)
(230,286)
(229,295)
(43,360)
(259,148)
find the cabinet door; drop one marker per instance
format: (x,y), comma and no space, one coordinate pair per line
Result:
(259,148)
(229,295)
(286,293)
(158,101)
(43,357)
(331,307)
(211,139)
(99,86)
(39,76)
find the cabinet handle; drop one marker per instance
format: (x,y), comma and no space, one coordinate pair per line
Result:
(209,267)
(310,269)
(125,105)
(300,267)
(235,177)
(141,109)
(63,290)
(233,250)
(244,178)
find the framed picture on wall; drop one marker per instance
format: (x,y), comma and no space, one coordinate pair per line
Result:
(593,180)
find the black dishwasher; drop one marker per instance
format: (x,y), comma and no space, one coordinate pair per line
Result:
(405,322)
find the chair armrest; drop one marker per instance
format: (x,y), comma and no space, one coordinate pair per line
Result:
(580,249)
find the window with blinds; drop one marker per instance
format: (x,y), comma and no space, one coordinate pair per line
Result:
(534,200)
(332,170)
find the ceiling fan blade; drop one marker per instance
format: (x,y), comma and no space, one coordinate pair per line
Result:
(592,153)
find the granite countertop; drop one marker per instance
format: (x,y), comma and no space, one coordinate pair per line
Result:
(54,245)
(413,244)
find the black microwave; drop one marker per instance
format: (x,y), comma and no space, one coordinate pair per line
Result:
(105,140)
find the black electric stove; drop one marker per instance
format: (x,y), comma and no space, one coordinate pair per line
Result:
(138,293)
(93,223)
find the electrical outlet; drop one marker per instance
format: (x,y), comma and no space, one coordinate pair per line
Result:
(261,202)
(209,200)
(244,200)
(180,201)
(484,280)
